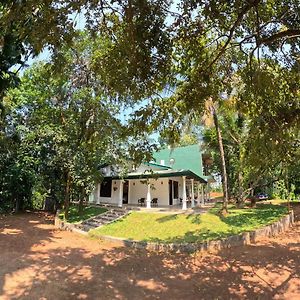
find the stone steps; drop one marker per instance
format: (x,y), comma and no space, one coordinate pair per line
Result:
(94,223)
(102,219)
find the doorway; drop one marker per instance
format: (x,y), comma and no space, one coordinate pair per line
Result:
(125,192)
(170,192)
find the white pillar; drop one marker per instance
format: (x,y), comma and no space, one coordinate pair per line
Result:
(92,197)
(148,199)
(129,192)
(183,193)
(120,204)
(202,195)
(208,191)
(192,194)
(97,200)
(198,194)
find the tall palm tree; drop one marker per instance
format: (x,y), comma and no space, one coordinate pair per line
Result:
(210,118)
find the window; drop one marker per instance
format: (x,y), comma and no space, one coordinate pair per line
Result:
(105,190)
(175,186)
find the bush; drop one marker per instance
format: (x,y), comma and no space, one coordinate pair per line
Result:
(6,206)
(38,200)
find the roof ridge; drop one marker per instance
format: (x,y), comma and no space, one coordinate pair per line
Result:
(167,148)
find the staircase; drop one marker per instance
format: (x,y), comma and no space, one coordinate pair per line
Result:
(102,219)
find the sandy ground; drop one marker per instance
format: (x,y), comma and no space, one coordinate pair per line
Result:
(39,262)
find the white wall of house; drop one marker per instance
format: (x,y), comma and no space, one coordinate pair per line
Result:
(137,190)
(115,193)
(95,195)
(114,199)
(179,180)
(160,190)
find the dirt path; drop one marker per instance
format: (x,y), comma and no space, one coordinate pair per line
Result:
(39,262)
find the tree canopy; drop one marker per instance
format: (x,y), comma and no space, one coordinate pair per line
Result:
(165,59)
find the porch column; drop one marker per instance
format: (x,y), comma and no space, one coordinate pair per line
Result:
(198,194)
(129,192)
(192,194)
(202,195)
(97,200)
(208,191)
(183,193)
(148,199)
(120,203)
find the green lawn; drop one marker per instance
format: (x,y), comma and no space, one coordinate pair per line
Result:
(88,212)
(280,201)
(169,228)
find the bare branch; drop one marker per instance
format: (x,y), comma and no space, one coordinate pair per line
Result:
(238,21)
(289,33)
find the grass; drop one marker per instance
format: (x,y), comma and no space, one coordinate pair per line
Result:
(88,212)
(280,201)
(180,228)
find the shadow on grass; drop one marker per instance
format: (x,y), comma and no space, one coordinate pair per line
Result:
(239,220)
(195,218)
(167,218)
(196,236)
(263,214)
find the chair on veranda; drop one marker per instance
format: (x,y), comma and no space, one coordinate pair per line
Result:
(141,201)
(154,202)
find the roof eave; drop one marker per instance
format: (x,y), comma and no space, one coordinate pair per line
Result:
(156,175)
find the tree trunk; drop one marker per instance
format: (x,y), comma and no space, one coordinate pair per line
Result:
(240,198)
(241,193)
(80,204)
(223,163)
(287,187)
(17,208)
(253,201)
(67,195)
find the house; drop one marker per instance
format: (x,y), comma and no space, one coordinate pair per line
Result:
(174,178)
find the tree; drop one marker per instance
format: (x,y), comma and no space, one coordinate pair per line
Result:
(67,124)
(147,35)
(257,154)
(170,63)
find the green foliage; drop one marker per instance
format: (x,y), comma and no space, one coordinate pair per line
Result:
(217,189)
(64,127)
(38,199)
(280,190)
(189,139)
(63,121)
(292,195)
(260,127)
(39,195)
(293,176)
(17,174)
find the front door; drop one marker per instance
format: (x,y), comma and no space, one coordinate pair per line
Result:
(170,192)
(125,192)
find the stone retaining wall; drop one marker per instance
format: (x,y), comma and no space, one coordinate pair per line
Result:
(59,223)
(245,238)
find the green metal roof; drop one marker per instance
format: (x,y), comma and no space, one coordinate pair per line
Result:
(187,162)
(151,164)
(186,158)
